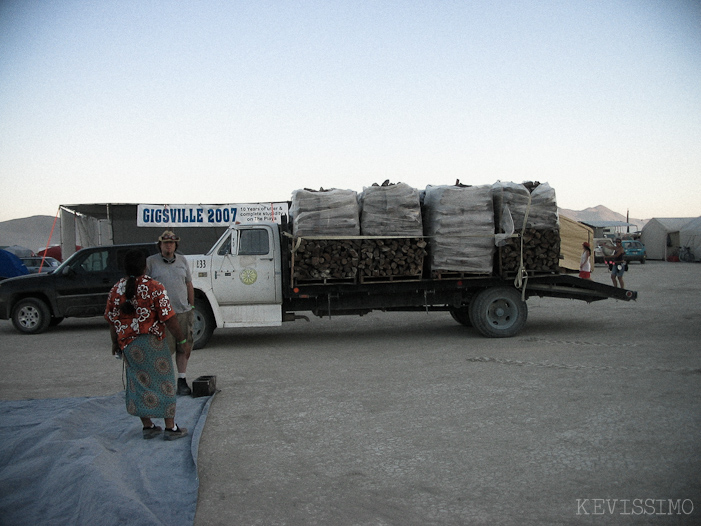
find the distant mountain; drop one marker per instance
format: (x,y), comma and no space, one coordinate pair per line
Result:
(30,232)
(599,213)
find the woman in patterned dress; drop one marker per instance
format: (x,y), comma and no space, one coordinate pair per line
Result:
(138,310)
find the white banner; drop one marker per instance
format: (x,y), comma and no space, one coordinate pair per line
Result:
(209,215)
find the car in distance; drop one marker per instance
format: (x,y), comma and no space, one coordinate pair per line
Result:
(34,263)
(634,250)
(76,288)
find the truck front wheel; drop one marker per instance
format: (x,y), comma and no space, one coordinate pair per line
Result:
(31,316)
(204,324)
(498,312)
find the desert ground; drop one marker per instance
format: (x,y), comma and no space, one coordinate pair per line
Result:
(591,415)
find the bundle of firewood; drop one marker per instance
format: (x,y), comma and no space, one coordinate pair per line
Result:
(541,252)
(330,212)
(459,220)
(390,210)
(326,259)
(398,258)
(532,202)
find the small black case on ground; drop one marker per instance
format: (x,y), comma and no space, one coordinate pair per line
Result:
(204,386)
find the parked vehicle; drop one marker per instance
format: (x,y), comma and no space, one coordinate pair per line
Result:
(634,251)
(248,279)
(77,288)
(37,264)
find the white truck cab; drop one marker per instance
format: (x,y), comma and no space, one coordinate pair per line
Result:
(241,278)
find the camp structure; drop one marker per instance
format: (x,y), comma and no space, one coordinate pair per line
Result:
(661,236)
(11,265)
(690,236)
(610,228)
(572,235)
(198,226)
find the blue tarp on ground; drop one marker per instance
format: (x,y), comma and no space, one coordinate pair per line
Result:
(83,461)
(11,265)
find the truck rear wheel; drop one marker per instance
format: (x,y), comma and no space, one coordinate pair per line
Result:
(498,312)
(31,316)
(204,324)
(461,315)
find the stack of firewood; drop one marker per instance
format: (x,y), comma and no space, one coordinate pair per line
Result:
(390,210)
(330,212)
(326,259)
(541,252)
(393,259)
(459,220)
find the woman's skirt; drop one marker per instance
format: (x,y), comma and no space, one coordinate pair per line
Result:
(150,391)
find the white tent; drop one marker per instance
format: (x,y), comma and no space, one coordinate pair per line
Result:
(690,236)
(661,236)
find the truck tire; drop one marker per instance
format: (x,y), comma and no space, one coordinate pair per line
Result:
(31,316)
(498,312)
(204,324)
(461,315)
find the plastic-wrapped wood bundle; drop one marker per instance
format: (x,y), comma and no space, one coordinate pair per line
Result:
(543,214)
(460,223)
(537,244)
(390,210)
(513,196)
(537,200)
(331,212)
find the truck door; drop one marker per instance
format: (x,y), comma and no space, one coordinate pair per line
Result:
(243,268)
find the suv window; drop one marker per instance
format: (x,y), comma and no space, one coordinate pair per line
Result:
(108,259)
(122,252)
(94,261)
(254,242)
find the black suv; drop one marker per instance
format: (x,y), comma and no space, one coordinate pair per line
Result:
(77,288)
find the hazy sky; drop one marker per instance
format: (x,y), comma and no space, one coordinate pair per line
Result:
(229,102)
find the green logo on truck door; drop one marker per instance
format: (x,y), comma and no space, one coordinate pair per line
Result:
(248,276)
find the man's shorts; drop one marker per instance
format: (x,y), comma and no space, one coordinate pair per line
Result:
(618,269)
(186,320)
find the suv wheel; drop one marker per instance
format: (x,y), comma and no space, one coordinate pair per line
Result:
(31,316)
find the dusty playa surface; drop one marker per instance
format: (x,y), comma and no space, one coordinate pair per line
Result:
(590,414)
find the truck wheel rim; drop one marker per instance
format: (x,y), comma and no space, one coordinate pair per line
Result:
(502,314)
(197,326)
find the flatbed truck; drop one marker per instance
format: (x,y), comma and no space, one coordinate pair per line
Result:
(247,280)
